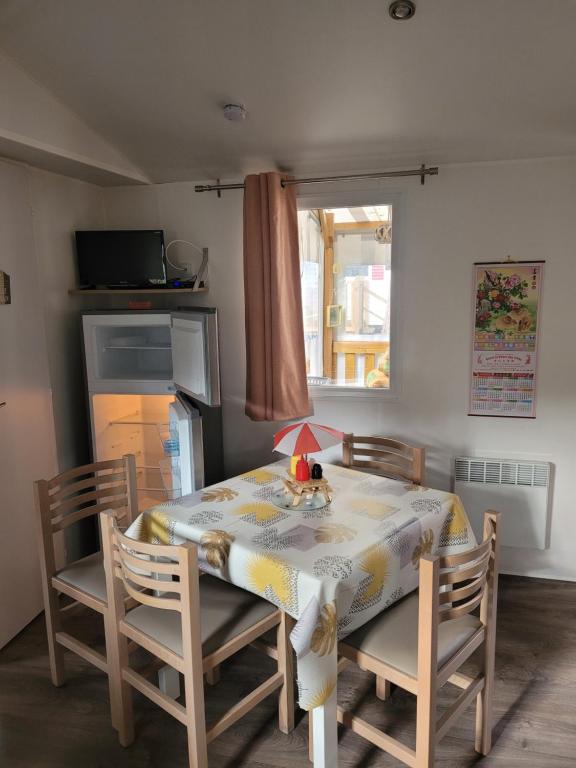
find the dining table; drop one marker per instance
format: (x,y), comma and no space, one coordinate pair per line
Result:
(331,566)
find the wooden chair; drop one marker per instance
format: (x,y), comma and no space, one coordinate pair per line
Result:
(384,456)
(193,627)
(61,502)
(421,642)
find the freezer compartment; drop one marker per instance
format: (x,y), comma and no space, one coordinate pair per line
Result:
(139,424)
(134,354)
(132,348)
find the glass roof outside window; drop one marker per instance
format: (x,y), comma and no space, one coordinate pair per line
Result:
(361,213)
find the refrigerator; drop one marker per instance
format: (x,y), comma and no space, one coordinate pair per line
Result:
(153,387)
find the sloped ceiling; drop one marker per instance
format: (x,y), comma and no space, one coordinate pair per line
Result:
(330,85)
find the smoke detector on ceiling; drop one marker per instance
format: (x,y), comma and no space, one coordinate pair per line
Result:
(400,10)
(235,112)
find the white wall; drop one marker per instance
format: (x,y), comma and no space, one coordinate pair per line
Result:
(37,128)
(59,206)
(27,444)
(43,427)
(468,213)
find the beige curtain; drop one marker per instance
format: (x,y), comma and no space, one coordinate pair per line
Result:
(276,386)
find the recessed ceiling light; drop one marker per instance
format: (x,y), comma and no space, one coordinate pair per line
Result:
(235,112)
(400,10)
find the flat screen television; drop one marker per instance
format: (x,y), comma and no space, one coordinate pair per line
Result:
(119,258)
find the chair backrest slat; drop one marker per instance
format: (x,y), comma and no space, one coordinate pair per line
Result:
(461,610)
(156,568)
(114,493)
(449,561)
(103,480)
(381,455)
(65,521)
(461,593)
(153,601)
(164,568)
(99,466)
(463,577)
(385,456)
(84,492)
(388,443)
(478,567)
(129,575)
(169,551)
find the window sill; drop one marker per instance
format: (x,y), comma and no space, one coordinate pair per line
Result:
(323,392)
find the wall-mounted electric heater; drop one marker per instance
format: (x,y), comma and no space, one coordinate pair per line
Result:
(518,489)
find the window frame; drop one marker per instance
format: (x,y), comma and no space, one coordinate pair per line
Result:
(310,199)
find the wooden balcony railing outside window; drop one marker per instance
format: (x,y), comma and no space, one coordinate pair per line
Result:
(372,351)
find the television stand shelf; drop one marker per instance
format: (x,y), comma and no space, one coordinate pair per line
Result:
(112,291)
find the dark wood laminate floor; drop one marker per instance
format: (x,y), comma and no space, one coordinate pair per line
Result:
(535,712)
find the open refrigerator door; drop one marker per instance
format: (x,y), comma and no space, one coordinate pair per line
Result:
(185,439)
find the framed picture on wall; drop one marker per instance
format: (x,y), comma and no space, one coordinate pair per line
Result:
(507,306)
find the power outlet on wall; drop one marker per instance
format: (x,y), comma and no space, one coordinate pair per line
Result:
(4,288)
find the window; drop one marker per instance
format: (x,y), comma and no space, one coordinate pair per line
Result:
(345,256)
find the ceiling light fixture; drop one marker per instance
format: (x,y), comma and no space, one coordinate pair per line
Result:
(235,112)
(400,10)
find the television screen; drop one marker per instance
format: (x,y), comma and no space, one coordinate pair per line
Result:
(117,258)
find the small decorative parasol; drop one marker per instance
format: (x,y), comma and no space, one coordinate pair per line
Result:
(299,440)
(305,437)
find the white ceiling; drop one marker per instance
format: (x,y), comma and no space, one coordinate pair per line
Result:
(330,85)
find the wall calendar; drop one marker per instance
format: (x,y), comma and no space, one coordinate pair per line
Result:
(507,303)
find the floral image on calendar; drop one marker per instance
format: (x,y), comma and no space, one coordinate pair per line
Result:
(505,344)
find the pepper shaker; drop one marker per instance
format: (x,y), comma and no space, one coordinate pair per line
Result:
(317,472)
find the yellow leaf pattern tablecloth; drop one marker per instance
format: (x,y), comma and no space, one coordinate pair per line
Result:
(333,569)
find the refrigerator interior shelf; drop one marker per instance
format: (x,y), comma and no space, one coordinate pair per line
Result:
(170,477)
(122,422)
(119,348)
(169,443)
(161,375)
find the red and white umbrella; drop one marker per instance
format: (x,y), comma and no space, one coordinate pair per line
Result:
(305,437)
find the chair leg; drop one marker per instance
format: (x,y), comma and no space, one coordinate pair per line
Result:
(195,720)
(55,651)
(125,720)
(426,728)
(286,666)
(213,676)
(120,691)
(112,686)
(484,703)
(310,737)
(383,687)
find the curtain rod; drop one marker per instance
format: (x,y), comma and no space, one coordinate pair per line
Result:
(422,172)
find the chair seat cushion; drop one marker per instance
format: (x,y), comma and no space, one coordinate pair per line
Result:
(225,612)
(392,636)
(86,574)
